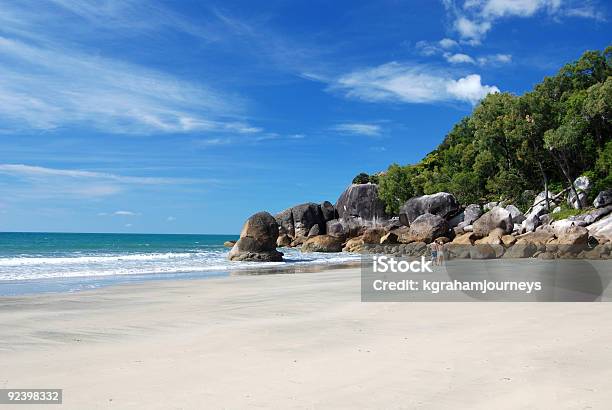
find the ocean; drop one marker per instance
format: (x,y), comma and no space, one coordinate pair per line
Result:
(56,262)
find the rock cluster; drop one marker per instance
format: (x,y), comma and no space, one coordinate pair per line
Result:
(358,223)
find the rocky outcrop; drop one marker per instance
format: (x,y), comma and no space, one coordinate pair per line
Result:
(601,230)
(583,187)
(530,223)
(361,201)
(389,238)
(322,243)
(483,251)
(441,204)
(347,228)
(495,218)
(427,227)
(328,211)
(470,214)
(305,216)
(516,214)
(257,240)
(283,240)
(539,204)
(229,244)
(522,250)
(299,220)
(285,222)
(354,245)
(314,231)
(604,198)
(336,228)
(373,235)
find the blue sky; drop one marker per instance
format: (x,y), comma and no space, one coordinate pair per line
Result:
(188,116)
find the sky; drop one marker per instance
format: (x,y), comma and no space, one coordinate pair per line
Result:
(189,116)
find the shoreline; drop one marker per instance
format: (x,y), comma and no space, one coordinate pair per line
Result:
(87,283)
(301,341)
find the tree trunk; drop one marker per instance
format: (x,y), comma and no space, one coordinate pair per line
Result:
(565,170)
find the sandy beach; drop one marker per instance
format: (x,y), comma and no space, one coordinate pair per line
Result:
(301,341)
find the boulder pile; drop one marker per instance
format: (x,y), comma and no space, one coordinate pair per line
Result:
(358,223)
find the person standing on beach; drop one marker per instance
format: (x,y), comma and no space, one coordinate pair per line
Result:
(440,253)
(434,252)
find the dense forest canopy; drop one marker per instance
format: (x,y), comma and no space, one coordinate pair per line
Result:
(512,147)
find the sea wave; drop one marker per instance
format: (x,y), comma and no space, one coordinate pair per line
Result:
(64,260)
(71,266)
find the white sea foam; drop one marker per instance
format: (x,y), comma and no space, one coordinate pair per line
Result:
(35,267)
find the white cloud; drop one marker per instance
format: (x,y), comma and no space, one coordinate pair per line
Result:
(587,11)
(476,17)
(170,219)
(36,171)
(470,89)
(495,59)
(125,213)
(459,58)
(395,82)
(369,130)
(520,8)
(37,182)
(448,43)
(471,30)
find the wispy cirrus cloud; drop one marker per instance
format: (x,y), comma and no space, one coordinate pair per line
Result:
(368,130)
(410,83)
(37,181)
(51,79)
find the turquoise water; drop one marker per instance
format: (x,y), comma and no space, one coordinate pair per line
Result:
(49,262)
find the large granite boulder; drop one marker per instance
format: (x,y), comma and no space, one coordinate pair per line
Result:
(322,243)
(284,220)
(257,240)
(441,204)
(515,213)
(522,250)
(604,198)
(470,214)
(299,220)
(373,235)
(427,227)
(336,228)
(328,211)
(539,204)
(305,216)
(283,240)
(361,201)
(495,218)
(483,251)
(349,227)
(356,244)
(583,187)
(601,230)
(530,223)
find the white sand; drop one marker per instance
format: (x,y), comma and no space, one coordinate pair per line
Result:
(301,341)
